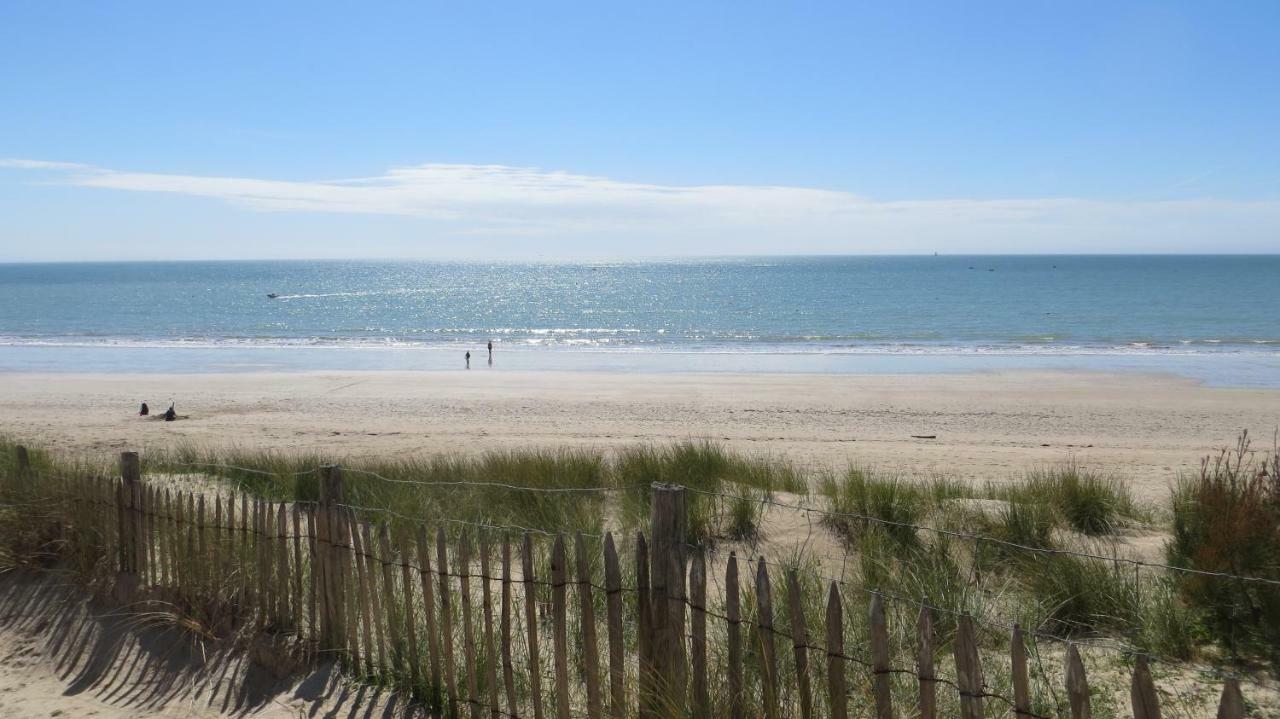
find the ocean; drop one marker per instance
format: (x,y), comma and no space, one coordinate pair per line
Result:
(1211,317)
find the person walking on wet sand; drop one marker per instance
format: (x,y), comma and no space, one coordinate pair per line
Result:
(468,359)
(490,353)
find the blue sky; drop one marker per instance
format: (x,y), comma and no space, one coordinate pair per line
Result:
(598,129)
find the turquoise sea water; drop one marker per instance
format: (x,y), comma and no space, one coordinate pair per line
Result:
(1218,314)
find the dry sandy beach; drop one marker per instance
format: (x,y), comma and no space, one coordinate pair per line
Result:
(1147,428)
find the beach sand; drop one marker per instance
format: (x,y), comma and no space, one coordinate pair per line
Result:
(988,426)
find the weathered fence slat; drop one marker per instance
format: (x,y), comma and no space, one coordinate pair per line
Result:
(587,617)
(880,658)
(698,635)
(490,648)
(121,529)
(1077,685)
(345,576)
(139,522)
(313,604)
(376,567)
(468,632)
(531,626)
(394,638)
(365,647)
(193,590)
(446,621)
(435,695)
(182,560)
(24,463)
(202,545)
(410,614)
(1232,704)
(177,544)
(299,600)
(968,669)
(837,700)
(1018,664)
(560,633)
(246,576)
(799,643)
(925,676)
(669,527)
(334,561)
(230,550)
(217,547)
(283,576)
(191,546)
(320,568)
(1142,692)
(506,630)
(613,607)
(644,631)
(148,534)
(733,610)
(167,567)
(161,571)
(130,524)
(259,560)
(765,640)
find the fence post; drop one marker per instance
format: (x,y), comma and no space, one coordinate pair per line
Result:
(1077,685)
(130,534)
(329,521)
(669,528)
(24,464)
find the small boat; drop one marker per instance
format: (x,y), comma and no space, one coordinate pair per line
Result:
(272,295)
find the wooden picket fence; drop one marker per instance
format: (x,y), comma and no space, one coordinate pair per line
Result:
(432,615)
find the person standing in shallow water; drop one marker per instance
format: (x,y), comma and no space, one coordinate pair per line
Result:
(468,359)
(490,353)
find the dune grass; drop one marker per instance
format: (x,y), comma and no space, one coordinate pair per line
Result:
(1062,507)
(571,489)
(895,502)
(1089,502)
(1223,519)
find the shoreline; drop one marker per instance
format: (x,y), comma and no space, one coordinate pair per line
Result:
(989,426)
(1226,369)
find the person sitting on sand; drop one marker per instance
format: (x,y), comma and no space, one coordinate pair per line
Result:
(169,414)
(144,410)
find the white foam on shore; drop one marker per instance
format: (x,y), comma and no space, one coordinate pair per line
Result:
(573,339)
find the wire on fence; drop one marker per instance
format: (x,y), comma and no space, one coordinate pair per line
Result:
(992,540)
(490,485)
(248,470)
(481,525)
(982,622)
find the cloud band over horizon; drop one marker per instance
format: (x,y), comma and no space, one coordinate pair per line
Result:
(556,212)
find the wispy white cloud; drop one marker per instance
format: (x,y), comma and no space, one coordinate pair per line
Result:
(21,164)
(518,202)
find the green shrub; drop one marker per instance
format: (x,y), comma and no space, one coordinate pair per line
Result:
(1089,502)
(1079,595)
(1227,519)
(728,487)
(1170,627)
(1024,523)
(864,493)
